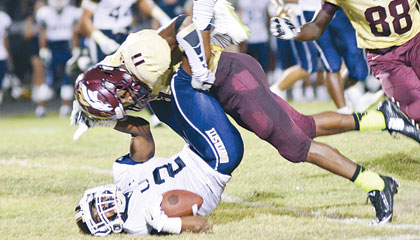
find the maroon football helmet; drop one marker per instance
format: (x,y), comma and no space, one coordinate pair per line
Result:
(99,88)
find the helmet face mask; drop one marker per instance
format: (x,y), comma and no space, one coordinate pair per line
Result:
(101,91)
(101,210)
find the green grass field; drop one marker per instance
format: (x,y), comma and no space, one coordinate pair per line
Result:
(43,174)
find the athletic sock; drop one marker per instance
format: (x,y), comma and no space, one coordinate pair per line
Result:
(370,120)
(367,180)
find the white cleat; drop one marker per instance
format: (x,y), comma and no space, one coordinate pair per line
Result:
(65,111)
(367,100)
(40,111)
(229,29)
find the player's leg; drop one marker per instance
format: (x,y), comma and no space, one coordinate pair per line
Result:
(243,94)
(62,55)
(380,189)
(332,63)
(413,109)
(241,89)
(399,80)
(205,125)
(3,69)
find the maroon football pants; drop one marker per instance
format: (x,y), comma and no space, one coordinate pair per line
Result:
(242,90)
(399,73)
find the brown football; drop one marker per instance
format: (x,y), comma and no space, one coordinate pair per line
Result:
(177,203)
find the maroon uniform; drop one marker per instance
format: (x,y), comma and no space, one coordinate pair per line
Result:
(242,90)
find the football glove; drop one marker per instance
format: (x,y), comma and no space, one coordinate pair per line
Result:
(106,44)
(45,55)
(155,217)
(283,28)
(84,122)
(203,81)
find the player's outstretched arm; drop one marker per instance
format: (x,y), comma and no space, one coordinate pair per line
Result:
(314,29)
(282,27)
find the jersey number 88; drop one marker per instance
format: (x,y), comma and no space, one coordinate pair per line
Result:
(397,21)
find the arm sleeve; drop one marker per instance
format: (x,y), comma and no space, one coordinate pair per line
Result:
(329,8)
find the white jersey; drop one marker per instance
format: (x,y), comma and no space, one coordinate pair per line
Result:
(310,5)
(58,25)
(114,15)
(254,16)
(142,183)
(5,23)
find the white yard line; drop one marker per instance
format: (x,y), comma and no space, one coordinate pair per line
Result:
(30,164)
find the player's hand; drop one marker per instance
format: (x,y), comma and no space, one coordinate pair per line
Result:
(203,81)
(107,45)
(45,55)
(155,216)
(77,118)
(283,28)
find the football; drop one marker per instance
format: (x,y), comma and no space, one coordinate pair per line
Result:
(177,203)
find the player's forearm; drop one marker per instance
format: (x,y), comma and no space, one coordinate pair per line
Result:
(135,126)
(314,29)
(195,224)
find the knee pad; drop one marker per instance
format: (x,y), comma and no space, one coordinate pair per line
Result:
(67,92)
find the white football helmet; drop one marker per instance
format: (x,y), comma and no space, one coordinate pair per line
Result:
(101,211)
(58,4)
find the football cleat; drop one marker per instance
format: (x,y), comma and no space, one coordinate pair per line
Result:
(40,111)
(397,122)
(229,29)
(383,201)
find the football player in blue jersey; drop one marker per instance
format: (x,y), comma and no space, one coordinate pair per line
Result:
(108,23)
(58,21)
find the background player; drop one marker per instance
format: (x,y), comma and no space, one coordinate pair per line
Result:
(58,21)
(5,59)
(390,33)
(108,23)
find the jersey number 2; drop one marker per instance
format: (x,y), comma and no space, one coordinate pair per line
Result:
(169,168)
(380,12)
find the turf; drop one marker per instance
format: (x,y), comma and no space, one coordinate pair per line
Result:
(43,174)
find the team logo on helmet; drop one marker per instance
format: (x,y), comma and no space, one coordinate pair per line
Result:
(98,92)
